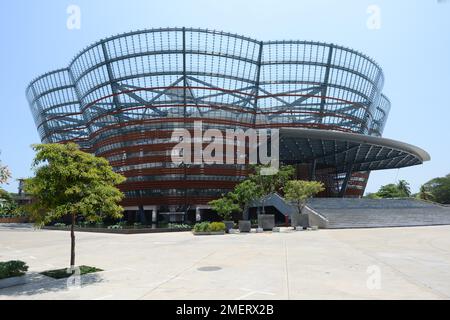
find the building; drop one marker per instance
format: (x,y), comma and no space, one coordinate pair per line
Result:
(122,97)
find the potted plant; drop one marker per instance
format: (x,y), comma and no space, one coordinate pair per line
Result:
(299,191)
(266,221)
(245,226)
(267,184)
(224,207)
(243,195)
(12,273)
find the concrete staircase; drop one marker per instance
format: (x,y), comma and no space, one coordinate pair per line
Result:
(335,213)
(278,202)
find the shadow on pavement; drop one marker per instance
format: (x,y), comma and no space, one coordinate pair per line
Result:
(38,284)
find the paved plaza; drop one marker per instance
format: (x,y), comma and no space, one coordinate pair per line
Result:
(388,263)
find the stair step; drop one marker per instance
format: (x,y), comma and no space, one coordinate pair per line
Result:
(361,213)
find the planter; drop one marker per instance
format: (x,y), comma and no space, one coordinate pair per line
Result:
(228,225)
(245,226)
(266,221)
(215,233)
(276,229)
(11,282)
(300,220)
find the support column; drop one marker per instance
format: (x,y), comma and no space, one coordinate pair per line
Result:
(312,170)
(154,216)
(324,90)
(348,175)
(141,213)
(245,214)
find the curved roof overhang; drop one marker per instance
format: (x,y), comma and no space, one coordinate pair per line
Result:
(346,151)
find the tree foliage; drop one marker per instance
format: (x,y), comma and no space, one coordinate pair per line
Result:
(244,193)
(5,174)
(403,186)
(256,186)
(5,195)
(268,184)
(224,207)
(372,195)
(425,194)
(299,191)
(237,200)
(391,190)
(438,189)
(70,182)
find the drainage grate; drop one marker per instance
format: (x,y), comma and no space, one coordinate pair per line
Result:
(209,268)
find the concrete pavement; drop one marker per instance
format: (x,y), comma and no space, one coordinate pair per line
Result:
(389,263)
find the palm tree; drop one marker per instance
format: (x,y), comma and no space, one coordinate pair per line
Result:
(403,187)
(424,194)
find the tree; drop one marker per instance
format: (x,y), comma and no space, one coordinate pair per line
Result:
(391,190)
(70,182)
(439,188)
(372,195)
(244,193)
(425,194)
(268,184)
(399,190)
(272,183)
(403,187)
(299,191)
(224,207)
(5,174)
(4,195)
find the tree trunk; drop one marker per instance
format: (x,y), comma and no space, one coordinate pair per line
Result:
(72,246)
(302,206)
(263,202)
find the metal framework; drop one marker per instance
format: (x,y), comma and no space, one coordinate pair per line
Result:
(121,97)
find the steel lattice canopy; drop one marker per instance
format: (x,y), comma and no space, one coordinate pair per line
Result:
(342,150)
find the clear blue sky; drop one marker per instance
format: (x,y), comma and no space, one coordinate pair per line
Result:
(412,46)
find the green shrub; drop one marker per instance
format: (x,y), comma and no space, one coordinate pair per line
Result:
(60,225)
(217,226)
(209,227)
(122,223)
(12,269)
(116,226)
(178,226)
(201,227)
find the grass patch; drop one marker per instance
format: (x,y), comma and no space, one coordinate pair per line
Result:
(65,273)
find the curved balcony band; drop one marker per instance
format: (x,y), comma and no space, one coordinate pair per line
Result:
(121,97)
